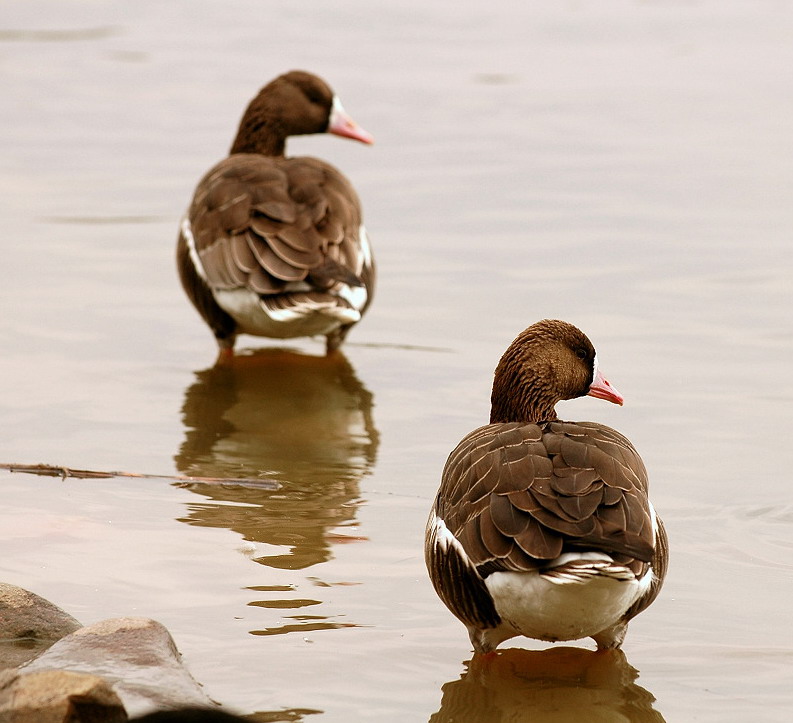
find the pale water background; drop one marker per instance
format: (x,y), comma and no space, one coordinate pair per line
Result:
(626,166)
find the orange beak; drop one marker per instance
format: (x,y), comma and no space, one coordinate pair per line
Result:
(340,124)
(602,389)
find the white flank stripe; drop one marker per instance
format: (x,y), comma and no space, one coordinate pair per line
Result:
(366,249)
(187,232)
(654,520)
(445,540)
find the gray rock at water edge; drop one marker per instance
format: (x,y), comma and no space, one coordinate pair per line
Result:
(29,624)
(137,656)
(58,696)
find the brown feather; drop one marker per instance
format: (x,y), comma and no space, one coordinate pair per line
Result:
(263,226)
(459,585)
(306,239)
(509,520)
(540,543)
(235,211)
(498,544)
(271,262)
(237,276)
(471,540)
(611,495)
(282,211)
(242,254)
(571,506)
(213,260)
(294,256)
(328,272)
(581,507)
(261,282)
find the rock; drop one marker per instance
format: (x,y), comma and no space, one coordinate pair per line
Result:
(190,715)
(29,624)
(137,656)
(58,696)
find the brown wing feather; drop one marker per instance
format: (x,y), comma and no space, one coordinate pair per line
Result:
(660,563)
(518,495)
(458,584)
(262,222)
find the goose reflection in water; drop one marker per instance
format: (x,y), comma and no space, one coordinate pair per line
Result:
(302,421)
(558,685)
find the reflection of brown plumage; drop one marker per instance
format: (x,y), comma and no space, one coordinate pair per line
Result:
(547,686)
(303,421)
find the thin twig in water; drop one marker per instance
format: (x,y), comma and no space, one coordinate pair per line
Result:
(51,470)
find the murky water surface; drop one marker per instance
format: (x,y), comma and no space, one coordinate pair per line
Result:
(624,166)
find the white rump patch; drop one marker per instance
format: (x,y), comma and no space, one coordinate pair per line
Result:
(307,318)
(579,567)
(540,608)
(578,595)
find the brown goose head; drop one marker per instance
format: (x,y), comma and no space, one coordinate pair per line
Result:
(548,362)
(296,103)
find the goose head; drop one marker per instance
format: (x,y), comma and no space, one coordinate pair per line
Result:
(547,363)
(296,103)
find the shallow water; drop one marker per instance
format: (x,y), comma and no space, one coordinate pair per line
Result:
(623,167)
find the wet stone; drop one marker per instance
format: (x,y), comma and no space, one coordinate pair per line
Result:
(29,624)
(58,696)
(136,656)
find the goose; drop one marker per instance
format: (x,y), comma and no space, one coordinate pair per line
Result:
(543,528)
(274,246)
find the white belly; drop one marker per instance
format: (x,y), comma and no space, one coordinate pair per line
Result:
(539,608)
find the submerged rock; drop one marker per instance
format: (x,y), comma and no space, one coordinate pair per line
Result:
(29,624)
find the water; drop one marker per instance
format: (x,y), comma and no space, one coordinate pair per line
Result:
(624,167)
